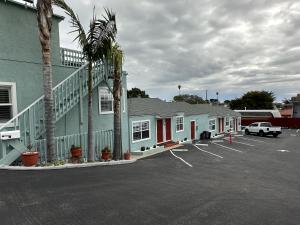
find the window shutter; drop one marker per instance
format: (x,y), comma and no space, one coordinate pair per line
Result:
(4,96)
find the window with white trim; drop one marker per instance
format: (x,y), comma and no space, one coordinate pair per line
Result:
(105,101)
(8,107)
(227,121)
(179,123)
(140,130)
(212,125)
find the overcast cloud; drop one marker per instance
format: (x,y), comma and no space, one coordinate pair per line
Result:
(226,46)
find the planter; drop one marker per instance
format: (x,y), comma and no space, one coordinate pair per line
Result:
(127,155)
(76,152)
(30,158)
(105,156)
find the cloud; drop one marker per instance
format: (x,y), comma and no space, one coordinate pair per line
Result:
(215,45)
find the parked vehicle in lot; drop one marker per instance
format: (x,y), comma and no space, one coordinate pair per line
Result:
(262,129)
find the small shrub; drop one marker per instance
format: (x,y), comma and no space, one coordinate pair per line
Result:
(142,148)
(154,146)
(106,149)
(148,148)
(185,139)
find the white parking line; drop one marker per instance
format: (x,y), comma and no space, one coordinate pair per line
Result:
(208,152)
(181,159)
(250,139)
(233,149)
(180,150)
(243,143)
(202,144)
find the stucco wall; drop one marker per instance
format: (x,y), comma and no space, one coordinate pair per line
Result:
(20,52)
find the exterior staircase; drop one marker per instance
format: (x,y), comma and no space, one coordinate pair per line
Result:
(67,94)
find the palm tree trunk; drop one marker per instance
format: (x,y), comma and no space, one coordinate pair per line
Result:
(117,114)
(90,114)
(44,17)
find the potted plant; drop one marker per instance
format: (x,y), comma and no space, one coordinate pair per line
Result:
(76,151)
(30,157)
(127,155)
(105,154)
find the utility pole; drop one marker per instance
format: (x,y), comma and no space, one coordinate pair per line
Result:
(217,96)
(206,95)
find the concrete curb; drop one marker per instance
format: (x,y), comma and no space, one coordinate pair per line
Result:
(69,166)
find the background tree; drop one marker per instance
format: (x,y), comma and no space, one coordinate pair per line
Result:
(254,100)
(96,45)
(44,19)
(192,99)
(136,92)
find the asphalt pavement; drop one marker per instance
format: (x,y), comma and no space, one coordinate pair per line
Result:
(253,181)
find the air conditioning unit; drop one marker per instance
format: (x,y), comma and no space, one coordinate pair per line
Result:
(9,135)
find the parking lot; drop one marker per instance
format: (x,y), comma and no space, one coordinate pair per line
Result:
(253,181)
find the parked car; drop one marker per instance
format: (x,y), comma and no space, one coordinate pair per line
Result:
(262,129)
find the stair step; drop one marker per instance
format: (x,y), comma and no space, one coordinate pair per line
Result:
(18,149)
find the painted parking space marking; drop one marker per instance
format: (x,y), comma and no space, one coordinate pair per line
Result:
(223,146)
(202,144)
(217,141)
(282,150)
(180,150)
(208,152)
(180,159)
(243,143)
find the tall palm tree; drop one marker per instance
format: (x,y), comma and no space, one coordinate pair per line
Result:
(95,45)
(44,18)
(117,59)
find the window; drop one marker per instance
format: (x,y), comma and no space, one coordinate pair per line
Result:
(106,101)
(212,125)
(227,121)
(266,125)
(8,105)
(179,123)
(140,130)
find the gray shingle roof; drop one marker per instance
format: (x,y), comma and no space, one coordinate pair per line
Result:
(157,107)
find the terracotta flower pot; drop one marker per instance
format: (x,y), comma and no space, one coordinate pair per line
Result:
(76,152)
(105,156)
(127,155)
(30,158)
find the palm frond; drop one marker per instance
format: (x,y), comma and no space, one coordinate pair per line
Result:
(75,22)
(101,35)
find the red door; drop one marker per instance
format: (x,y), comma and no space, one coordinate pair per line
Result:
(168,130)
(220,125)
(193,130)
(159,131)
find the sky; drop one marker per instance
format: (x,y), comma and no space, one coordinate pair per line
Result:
(224,46)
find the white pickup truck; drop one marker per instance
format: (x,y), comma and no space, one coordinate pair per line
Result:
(262,129)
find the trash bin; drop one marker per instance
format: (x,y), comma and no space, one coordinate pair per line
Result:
(207,135)
(202,135)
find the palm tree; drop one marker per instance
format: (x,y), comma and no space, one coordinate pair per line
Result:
(95,45)
(179,87)
(44,18)
(117,59)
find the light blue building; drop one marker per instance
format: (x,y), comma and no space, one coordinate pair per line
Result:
(21,90)
(153,122)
